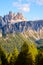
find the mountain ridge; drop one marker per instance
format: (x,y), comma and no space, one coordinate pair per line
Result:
(13,23)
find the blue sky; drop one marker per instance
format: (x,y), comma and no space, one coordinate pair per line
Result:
(31,9)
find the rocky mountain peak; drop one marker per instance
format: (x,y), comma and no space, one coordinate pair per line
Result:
(13,17)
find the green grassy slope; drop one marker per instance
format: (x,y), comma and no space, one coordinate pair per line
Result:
(12,41)
(17,40)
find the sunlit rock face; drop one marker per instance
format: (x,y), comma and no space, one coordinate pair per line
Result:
(17,23)
(12,17)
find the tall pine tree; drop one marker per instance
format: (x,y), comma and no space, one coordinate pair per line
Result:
(27,55)
(3,57)
(14,56)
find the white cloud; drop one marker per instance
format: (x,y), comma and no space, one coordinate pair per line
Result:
(23,7)
(16,4)
(36,18)
(39,2)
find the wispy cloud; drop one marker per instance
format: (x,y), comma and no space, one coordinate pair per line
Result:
(39,2)
(37,18)
(24,7)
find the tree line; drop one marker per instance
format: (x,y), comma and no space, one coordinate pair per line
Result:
(29,55)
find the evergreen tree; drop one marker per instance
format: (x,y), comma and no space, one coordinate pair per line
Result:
(39,58)
(14,56)
(26,55)
(9,57)
(0,62)
(3,57)
(33,50)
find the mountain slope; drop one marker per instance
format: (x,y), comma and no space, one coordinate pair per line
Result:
(9,43)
